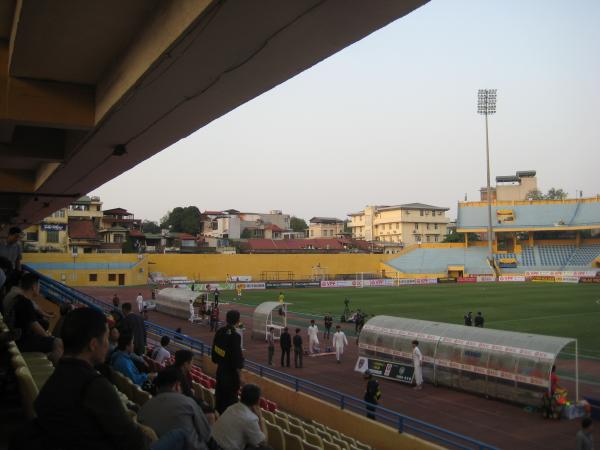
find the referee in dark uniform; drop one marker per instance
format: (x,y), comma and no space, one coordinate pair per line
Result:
(227,354)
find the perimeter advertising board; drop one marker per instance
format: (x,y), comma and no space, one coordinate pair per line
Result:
(392,370)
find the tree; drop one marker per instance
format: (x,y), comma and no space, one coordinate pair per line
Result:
(149,226)
(556,194)
(182,220)
(535,194)
(553,194)
(460,237)
(298,224)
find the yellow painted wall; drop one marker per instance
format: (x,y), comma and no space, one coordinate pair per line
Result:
(71,271)
(200,267)
(217,267)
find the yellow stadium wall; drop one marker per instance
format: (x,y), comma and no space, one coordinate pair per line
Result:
(217,267)
(197,267)
(71,271)
(377,435)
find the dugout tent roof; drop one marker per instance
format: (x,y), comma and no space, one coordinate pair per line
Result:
(263,317)
(502,364)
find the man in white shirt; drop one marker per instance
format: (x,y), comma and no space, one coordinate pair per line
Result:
(161,354)
(140,303)
(241,426)
(313,336)
(339,340)
(418,363)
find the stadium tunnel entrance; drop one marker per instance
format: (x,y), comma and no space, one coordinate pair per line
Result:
(500,364)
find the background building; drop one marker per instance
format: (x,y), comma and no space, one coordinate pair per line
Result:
(411,223)
(233,224)
(512,187)
(323,227)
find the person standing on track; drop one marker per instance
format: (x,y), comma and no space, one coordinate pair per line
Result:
(271,344)
(298,350)
(313,337)
(140,302)
(479,320)
(339,340)
(328,323)
(227,354)
(417,357)
(285,341)
(372,394)
(281,299)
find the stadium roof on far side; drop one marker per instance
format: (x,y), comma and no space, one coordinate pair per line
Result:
(530,215)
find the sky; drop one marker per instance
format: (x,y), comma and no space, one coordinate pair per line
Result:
(392,119)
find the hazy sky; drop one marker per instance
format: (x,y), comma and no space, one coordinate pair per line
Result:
(392,119)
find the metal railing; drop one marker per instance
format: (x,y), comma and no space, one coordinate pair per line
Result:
(404,424)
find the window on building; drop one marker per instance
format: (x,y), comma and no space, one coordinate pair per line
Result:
(312,233)
(118,238)
(31,236)
(93,277)
(435,238)
(436,226)
(428,238)
(421,212)
(52,237)
(416,226)
(112,277)
(428,226)
(397,224)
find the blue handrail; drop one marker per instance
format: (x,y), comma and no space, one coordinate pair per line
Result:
(61,293)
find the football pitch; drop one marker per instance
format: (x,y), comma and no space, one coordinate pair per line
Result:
(568,310)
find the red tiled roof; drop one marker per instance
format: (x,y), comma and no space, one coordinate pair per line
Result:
(294,244)
(82,229)
(136,233)
(272,227)
(186,237)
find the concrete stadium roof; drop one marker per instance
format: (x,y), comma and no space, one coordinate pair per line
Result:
(89,90)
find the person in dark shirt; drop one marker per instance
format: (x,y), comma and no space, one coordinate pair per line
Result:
(184,360)
(33,337)
(469,319)
(372,394)
(328,323)
(216,296)
(297,341)
(285,342)
(134,324)
(77,399)
(214,318)
(227,354)
(65,308)
(479,320)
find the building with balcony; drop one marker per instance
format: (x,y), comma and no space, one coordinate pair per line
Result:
(233,224)
(406,224)
(325,227)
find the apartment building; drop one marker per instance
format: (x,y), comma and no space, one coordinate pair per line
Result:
(233,224)
(407,224)
(325,227)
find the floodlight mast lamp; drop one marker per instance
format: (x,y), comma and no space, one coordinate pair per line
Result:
(486,105)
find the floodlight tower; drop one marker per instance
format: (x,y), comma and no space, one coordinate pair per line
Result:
(486,105)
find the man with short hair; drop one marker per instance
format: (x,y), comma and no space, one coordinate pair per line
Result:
(78,408)
(372,394)
(479,320)
(24,319)
(285,342)
(328,319)
(134,324)
(122,362)
(584,437)
(10,248)
(313,337)
(298,350)
(169,409)
(242,426)
(227,354)
(339,341)
(161,354)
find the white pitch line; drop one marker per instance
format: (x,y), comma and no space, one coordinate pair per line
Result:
(543,317)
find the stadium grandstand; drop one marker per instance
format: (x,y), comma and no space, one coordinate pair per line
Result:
(528,236)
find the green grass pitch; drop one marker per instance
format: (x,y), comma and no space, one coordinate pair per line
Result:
(568,310)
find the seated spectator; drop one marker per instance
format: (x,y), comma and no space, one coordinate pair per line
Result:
(161,354)
(183,363)
(113,341)
(241,426)
(134,324)
(78,408)
(33,337)
(121,361)
(65,308)
(169,409)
